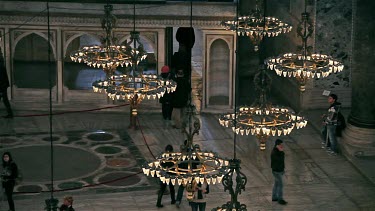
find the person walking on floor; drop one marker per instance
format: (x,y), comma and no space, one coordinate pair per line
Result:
(163,186)
(4,84)
(8,178)
(278,165)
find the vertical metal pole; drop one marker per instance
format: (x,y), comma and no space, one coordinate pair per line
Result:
(51,204)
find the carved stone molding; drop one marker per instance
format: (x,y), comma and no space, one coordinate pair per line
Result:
(20,32)
(213,23)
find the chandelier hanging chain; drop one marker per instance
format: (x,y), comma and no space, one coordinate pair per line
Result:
(305,30)
(108,24)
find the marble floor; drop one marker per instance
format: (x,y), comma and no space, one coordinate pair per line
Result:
(94,148)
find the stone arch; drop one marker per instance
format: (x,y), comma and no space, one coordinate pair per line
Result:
(218,74)
(30,61)
(23,35)
(79,76)
(73,37)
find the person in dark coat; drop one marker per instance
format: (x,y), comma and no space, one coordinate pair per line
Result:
(4,84)
(166,100)
(67,204)
(180,98)
(163,186)
(330,122)
(278,166)
(8,178)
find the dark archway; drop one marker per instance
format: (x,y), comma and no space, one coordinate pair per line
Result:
(30,63)
(218,74)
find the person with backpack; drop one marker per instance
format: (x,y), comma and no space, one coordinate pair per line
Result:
(330,124)
(8,178)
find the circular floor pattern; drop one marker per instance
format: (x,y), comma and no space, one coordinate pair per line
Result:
(108,150)
(29,189)
(7,140)
(54,138)
(100,136)
(70,185)
(126,181)
(118,162)
(70,162)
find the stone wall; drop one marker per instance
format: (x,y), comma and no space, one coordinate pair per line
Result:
(333,30)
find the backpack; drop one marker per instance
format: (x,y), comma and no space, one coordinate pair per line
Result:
(341,124)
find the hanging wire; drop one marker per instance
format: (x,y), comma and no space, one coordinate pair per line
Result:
(190,41)
(50,97)
(305,34)
(236,82)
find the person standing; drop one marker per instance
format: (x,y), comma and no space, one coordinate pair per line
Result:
(166,100)
(67,204)
(4,84)
(330,125)
(198,200)
(163,185)
(278,166)
(8,178)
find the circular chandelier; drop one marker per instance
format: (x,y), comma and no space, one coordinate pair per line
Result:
(191,163)
(304,65)
(109,55)
(102,57)
(263,119)
(129,86)
(255,26)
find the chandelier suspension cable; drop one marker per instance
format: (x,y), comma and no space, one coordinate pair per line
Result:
(135,63)
(236,81)
(50,95)
(305,35)
(234,171)
(51,204)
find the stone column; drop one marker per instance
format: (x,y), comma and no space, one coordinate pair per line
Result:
(160,56)
(359,136)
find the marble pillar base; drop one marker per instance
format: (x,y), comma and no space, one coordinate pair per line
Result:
(358,141)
